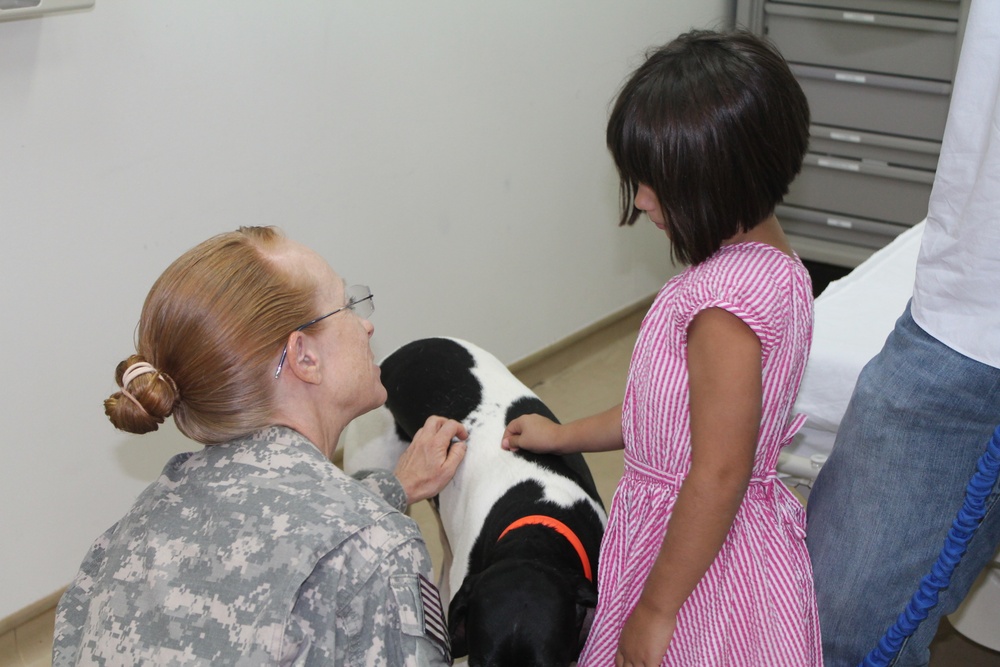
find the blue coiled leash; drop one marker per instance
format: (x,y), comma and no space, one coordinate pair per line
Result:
(962,530)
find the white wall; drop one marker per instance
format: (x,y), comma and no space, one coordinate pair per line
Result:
(448,153)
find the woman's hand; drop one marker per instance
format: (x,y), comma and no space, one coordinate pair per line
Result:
(431,460)
(534,433)
(645,637)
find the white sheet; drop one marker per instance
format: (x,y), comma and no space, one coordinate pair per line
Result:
(854,315)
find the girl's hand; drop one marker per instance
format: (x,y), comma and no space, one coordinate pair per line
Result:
(645,637)
(534,433)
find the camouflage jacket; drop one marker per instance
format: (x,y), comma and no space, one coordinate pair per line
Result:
(256,552)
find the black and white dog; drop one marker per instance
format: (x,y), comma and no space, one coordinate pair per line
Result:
(521,531)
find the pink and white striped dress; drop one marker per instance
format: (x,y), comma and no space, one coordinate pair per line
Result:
(756,604)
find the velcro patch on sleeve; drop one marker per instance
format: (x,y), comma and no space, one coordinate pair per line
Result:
(420,611)
(434,621)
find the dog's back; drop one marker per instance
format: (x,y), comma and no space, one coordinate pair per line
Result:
(536,577)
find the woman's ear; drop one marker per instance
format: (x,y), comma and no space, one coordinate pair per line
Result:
(303,358)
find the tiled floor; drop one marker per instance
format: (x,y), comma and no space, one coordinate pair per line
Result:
(587,377)
(30,644)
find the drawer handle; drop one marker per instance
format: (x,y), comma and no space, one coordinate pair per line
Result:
(843,165)
(844,136)
(837,222)
(848,77)
(857,17)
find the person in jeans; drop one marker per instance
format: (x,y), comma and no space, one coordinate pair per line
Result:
(925,407)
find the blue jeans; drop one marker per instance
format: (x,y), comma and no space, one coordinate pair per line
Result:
(919,419)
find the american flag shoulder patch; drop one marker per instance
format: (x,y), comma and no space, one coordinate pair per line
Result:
(434,622)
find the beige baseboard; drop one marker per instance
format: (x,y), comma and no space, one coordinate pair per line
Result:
(551,357)
(31,612)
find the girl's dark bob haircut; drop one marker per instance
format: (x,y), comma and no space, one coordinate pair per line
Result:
(717,126)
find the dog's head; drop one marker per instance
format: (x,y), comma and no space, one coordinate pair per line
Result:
(523,613)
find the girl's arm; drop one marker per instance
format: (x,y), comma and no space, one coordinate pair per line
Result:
(724,367)
(598,433)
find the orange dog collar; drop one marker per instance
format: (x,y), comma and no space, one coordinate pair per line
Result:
(559,527)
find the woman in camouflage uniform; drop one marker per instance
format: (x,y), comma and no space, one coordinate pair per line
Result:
(256,549)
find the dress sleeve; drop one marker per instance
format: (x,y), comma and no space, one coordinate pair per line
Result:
(756,302)
(363,605)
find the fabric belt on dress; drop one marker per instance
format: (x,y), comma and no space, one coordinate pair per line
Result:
(787,506)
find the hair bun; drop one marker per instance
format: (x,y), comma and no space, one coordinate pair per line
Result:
(147,396)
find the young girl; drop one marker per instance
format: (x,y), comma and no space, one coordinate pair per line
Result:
(704,560)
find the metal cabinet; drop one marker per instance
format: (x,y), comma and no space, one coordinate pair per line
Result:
(878,75)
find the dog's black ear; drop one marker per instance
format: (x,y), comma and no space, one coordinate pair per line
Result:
(586,593)
(586,601)
(456,617)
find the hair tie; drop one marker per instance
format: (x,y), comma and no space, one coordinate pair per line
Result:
(131,373)
(132,398)
(134,371)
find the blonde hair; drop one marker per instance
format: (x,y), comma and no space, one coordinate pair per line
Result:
(211,327)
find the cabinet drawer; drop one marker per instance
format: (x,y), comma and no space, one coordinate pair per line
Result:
(875,102)
(856,188)
(843,229)
(866,41)
(943,9)
(876,148)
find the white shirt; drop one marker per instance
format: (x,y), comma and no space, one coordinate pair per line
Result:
(956,295)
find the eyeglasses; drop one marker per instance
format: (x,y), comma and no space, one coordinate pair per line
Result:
(360,300)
